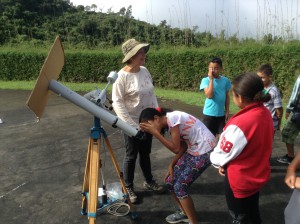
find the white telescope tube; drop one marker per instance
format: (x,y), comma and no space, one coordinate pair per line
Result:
(91,108)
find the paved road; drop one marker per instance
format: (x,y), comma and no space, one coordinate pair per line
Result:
(42,166)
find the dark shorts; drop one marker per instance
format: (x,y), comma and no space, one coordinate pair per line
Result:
(214,124)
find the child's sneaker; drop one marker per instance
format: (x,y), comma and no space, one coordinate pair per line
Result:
(177,217)
(285,159)
(153,186)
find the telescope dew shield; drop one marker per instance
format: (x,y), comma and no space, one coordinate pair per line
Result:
(91,107)
(50,70)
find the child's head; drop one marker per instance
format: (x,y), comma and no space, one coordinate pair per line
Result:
(155,115)
(215,65)
(248,88)
(149,114)
(216,60)
(265,72)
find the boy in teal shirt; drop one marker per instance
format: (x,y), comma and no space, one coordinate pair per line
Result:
(216,88)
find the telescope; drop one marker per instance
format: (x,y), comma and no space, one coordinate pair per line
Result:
(92,102)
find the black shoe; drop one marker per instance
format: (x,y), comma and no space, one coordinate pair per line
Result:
(285,159)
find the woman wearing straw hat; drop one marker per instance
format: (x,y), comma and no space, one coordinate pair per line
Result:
(132,92)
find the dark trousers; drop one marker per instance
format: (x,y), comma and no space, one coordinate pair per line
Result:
(242,210)
(135,147)
(214,124)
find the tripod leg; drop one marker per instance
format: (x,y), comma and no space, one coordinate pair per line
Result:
(85,186)
(93,181)
(112,155)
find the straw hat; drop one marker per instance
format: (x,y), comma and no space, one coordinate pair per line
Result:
(131,47)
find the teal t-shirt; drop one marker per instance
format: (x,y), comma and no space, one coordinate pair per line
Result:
(216,105)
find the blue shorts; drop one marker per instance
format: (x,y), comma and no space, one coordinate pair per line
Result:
(187,169)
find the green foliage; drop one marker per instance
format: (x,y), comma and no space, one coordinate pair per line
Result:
(80,66)
(26,21)
(37,21)
(178,58)
(183,69)
(177,68)
(90,66)
(17,65)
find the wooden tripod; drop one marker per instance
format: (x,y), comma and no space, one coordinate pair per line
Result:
(91,174)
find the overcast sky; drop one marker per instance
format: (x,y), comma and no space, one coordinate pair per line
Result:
(245,18)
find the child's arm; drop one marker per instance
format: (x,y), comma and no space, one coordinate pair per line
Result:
(173,144)
(227,103)
(209,90)
(170,172)
(297,183)
(279,113)
(290,178)
(221,171)
(231,143)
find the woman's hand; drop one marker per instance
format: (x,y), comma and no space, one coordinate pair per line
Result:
(221,171)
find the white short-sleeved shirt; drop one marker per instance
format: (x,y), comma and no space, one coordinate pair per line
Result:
(196,135)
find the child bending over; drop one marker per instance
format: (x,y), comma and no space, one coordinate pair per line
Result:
(191,142)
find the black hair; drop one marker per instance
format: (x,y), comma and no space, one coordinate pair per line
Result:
(216,60)
(250,86)
(149,113)
(266,69)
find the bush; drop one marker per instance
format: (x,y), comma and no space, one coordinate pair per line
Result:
(171,68)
